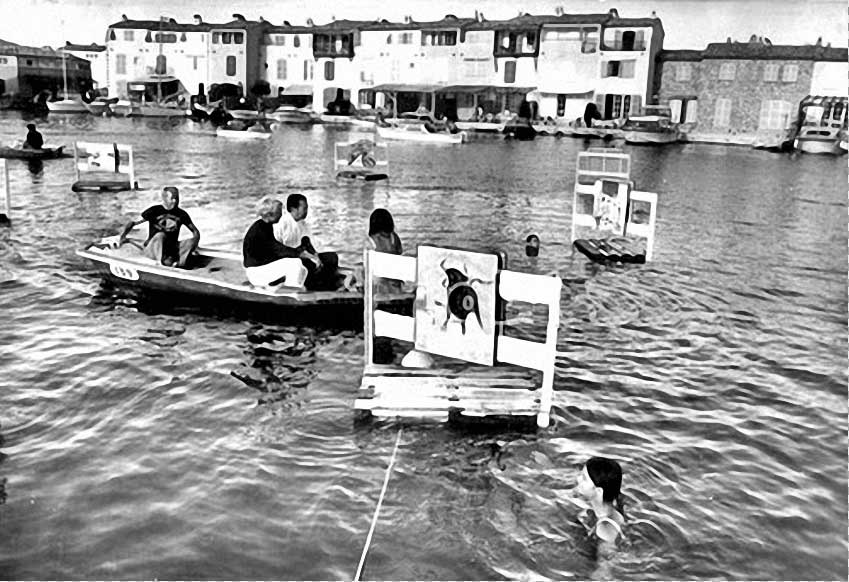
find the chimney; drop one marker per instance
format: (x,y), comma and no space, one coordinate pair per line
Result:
(287,23)
(198,19)
(476,14)
(310,22)
(753,38)
(124,17)
(613,13)
(728,40)
(654,14)
(819,42)
(239,17)
(172,21)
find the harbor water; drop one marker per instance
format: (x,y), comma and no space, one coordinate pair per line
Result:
(140,441)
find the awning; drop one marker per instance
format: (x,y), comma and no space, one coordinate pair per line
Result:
(566,88)
(822,100)
(483,89)
(298,90)
(403,88)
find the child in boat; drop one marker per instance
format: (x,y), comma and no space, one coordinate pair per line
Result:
(599,483)
(381,232)
(532,245)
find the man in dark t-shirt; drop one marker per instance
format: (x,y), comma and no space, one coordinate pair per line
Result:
(164,222)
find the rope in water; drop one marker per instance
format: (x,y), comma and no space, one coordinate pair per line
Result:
(377,509)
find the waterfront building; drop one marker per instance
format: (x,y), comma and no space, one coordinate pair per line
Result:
(96,55)
(199,54)
(289,63)
(745,92)
(26,72)
(335,68)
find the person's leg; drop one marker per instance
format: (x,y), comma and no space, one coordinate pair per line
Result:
(186,248)
(153,249)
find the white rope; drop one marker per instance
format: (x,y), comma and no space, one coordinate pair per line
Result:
(377,509)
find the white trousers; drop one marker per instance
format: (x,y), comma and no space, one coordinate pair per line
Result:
(292,271)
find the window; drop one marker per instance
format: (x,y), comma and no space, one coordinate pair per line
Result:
(675,110)
(561,105)
(442,38)
(194,63)
(771,72)
(589,40)
(692,111)
(216,38)
(308,70)
(161,65)
(611,69)
(388,39)
(226,37)
(722,113)
(281,69)
(329,70)
(238,38)
(296,42)
(279,40)
(128,35)
(775,114)
(121,64)
(510,72)
(790,73)
(626,69)
(683,72)
(727,71)
(231,66)
(29,62)
(164,37)
(405,38)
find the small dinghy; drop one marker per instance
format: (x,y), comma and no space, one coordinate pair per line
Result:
(214,275)
(21,153)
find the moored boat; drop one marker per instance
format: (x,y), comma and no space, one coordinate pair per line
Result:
(67,106)
(249,133)
(650,130)
(346,120)
(819,140)
(418,133)
(215,275)
(293,115)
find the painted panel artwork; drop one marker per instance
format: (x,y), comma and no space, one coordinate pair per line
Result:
(610,204)
(455,304)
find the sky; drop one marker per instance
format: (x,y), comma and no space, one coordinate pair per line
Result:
(688,24)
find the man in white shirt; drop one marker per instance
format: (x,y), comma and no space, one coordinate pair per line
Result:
(292,231)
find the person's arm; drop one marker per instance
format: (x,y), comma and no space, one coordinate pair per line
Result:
(122,238)
(195,236)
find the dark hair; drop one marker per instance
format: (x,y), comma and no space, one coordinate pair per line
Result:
(380,221)
(532,237)
(294,201)
(30,126)
(171,190)
(607,474)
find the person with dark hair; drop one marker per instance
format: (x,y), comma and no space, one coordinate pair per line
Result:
(532,245)
(381,232)
(591,112)
(600,483)
(165,220)
(34,139)
(292,231)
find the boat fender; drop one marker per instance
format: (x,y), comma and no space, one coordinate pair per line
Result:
(417,359)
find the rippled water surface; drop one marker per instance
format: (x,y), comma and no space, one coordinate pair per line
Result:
(140,442)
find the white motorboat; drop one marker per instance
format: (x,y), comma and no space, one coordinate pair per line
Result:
(418,133)
(346,120)
(819,140)
(67,106)
(249,133)
(293,115)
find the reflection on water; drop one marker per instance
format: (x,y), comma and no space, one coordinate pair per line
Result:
(193,441)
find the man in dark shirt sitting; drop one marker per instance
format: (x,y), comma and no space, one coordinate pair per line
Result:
(165,220)
(34,139)
(267,261)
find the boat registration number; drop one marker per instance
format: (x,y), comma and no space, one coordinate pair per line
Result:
(124,272)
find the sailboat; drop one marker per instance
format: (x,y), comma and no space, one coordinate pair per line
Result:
(170,95)
(66,104)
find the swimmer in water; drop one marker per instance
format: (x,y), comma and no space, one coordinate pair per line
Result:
(599,484)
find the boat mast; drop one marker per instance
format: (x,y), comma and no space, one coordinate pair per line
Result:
(64,65)
(156,69)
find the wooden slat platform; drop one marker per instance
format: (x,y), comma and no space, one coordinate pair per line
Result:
(434,393)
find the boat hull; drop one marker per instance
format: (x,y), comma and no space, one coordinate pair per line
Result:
(67,106)
(345,121)
(217,277)
(419,134)
(46,153)
(242,134)
(813,145)
(650,138)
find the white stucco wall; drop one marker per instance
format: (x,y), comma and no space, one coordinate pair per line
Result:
(830,79)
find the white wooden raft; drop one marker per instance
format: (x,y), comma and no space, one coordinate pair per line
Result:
(605,202)
(103,166)
(497,376)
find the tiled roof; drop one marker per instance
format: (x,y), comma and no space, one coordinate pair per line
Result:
(10,48)
(91,48)
(172,25)
(757,51)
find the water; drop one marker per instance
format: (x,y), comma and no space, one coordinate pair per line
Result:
(144,442)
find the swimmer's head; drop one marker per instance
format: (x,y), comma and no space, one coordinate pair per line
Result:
(532,245)
(605,474)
